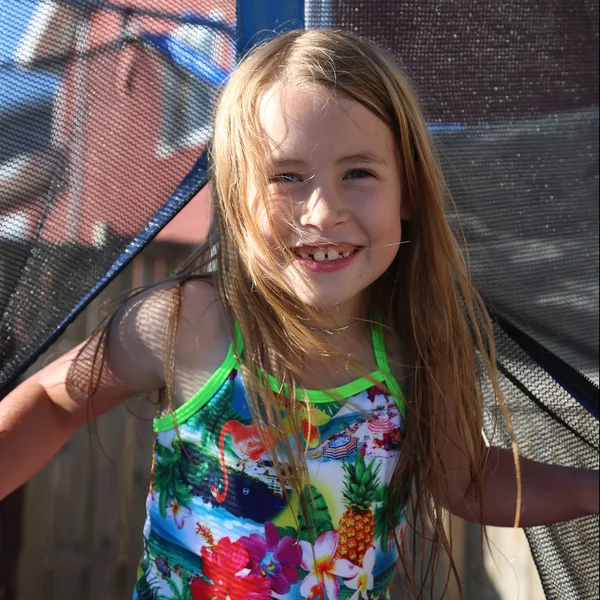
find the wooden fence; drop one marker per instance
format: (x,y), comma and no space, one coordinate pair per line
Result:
(84,512)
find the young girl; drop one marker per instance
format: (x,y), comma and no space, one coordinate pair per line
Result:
(321,354)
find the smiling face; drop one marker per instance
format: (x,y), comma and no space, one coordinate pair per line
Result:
(334,195)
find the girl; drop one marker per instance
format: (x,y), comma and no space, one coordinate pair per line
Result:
(321,354)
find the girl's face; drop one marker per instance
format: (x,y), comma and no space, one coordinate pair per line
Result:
(334,195)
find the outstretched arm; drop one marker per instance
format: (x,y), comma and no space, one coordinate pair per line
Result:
(42,413)
(550,493)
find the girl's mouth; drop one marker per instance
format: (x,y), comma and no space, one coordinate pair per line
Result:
(324,254)
(325,259)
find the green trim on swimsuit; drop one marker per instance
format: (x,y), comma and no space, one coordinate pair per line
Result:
(383,364)
(200,398)
(218,378)
(339,393)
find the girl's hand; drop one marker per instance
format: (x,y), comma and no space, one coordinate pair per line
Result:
(593,495)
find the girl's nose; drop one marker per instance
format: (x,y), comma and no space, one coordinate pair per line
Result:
(324,209)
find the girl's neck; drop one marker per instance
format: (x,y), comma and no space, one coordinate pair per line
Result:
(346,332)
(340,318)
(350,355)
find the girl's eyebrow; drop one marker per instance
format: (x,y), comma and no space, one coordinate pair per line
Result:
(288,162)
(363,157)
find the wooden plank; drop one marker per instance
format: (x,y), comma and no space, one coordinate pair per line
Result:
(84,515)
(106,493)
(72,498)
(160,269)
(136,476)
(105,487)
(70,559)
(34,564)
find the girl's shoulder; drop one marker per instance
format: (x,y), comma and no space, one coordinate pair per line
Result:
(182,316)
(203,337)
(126,356)
(188,312)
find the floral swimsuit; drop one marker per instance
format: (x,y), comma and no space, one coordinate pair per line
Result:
(218,524)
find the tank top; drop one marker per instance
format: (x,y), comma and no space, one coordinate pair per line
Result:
(219,525)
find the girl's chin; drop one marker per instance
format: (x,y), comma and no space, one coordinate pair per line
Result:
(324,301)
(321,294)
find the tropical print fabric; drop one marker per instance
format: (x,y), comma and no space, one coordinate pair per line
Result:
(219,527)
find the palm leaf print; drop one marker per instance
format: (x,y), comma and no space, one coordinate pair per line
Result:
(167,477)
(330,408)
(387,518)
(146,590)
(179,594)
(320,519)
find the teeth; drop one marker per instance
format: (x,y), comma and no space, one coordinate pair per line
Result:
(324,255)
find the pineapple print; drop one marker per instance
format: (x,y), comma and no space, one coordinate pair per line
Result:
(356,528)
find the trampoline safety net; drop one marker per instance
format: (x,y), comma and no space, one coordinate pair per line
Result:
(105,112)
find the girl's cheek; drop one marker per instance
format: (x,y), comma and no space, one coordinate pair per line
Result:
(259,210)
(275,214)
(272,218)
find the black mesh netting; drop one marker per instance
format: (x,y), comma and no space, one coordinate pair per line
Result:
(105,111)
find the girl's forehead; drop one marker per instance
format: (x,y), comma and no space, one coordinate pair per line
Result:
(314,120)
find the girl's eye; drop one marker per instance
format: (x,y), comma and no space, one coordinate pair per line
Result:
(285,178)
(358,174)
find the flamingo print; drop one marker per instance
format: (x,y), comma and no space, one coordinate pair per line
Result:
(247,442)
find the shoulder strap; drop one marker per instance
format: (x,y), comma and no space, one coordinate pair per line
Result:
(238,341)
(384,366)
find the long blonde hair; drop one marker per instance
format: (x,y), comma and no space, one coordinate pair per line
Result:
(424,298)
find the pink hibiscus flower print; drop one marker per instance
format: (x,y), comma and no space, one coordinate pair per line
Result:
(323,569)
(180,513)
(223,567)
(274,558)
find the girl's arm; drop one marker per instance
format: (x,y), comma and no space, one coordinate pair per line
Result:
(36,419)
(550,493)
(42,413)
